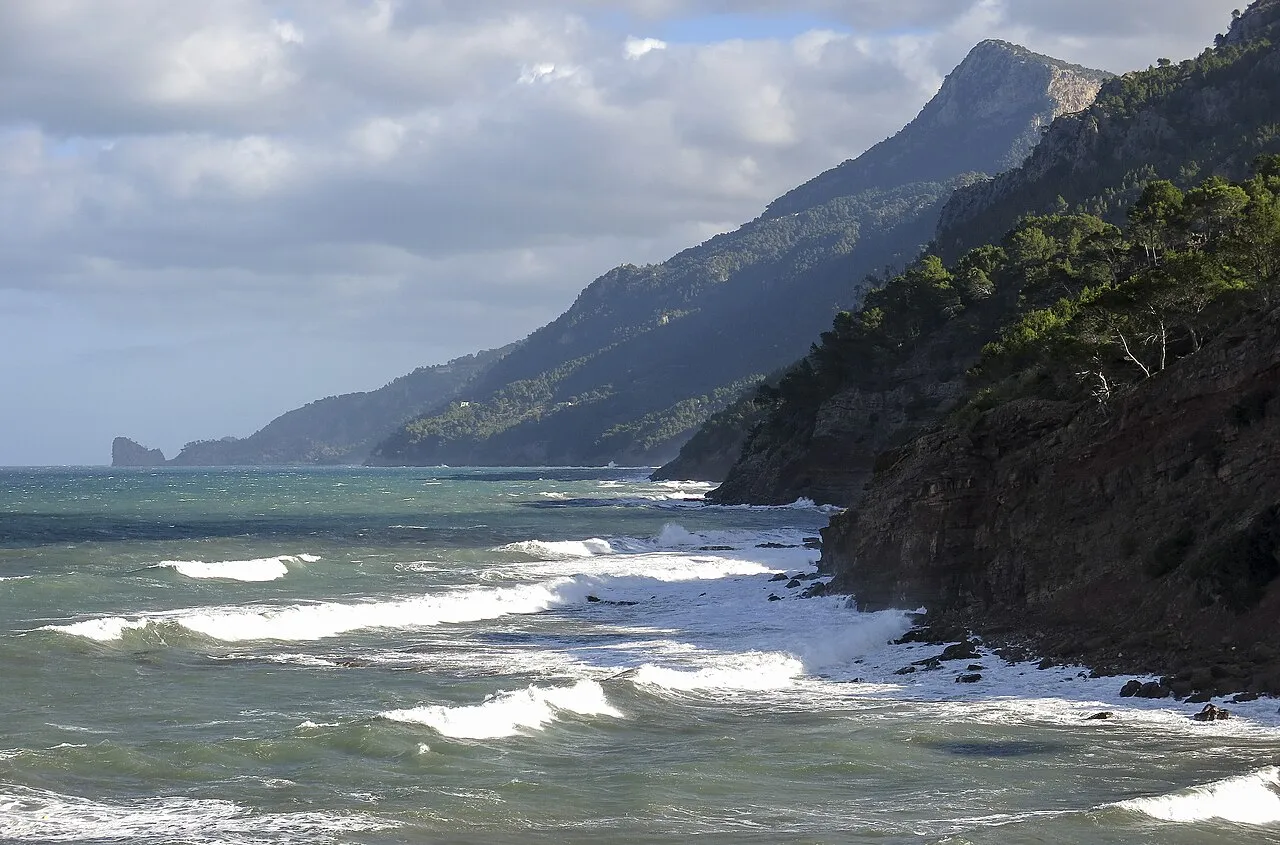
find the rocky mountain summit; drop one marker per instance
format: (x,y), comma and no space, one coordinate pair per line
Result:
(992,110)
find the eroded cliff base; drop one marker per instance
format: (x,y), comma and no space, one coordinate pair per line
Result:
(1137,537)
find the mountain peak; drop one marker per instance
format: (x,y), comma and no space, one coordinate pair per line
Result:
(986,118)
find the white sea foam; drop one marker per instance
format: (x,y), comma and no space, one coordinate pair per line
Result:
(41,815)
(510,713)
(754,671)
(102,630)
(1252,799)
(328,619)
(560,550)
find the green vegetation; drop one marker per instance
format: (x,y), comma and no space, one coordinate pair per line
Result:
(1148,295)
(1066,307)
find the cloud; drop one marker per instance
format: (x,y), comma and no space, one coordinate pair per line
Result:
(442,171)
(635,48)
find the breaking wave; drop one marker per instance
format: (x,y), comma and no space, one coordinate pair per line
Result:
(510,713)
(1252,799)
(328,619)
(259,569)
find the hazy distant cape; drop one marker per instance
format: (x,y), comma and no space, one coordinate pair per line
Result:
(337,430)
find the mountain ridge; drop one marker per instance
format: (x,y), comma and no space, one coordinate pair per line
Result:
(646,354)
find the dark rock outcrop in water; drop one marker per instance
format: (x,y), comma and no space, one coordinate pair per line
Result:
(647,354)
(1147,537)
(129,453)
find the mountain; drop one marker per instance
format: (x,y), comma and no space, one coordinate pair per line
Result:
(1179,121)
(1064,439)
(646,354)
(1211,115)
(336,430)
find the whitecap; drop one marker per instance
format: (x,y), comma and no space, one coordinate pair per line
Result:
(1252,799)
(510,713)
(751,672)
(328,619)
(258,569)
(560,550)
(46,816)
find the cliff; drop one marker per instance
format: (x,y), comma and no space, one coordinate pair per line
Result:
(128,453)
(992,110)
(1134,537)
(647,354)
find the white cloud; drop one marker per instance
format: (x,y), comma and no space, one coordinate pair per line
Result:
(636,48)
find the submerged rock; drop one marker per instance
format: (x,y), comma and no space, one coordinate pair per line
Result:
(1097,717)
(969,679)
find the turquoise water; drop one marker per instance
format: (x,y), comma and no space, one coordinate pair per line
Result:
(493,656)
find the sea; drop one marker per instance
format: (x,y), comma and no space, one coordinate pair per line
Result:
(535,655)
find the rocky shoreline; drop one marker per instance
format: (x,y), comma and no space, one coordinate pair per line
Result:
(1140,538)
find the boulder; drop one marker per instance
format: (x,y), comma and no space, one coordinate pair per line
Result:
(1212,714)
(815,590)
(972,678)
(1130,689)
(772,597)
(794,583)
(1154,689)
(1097,717)
(781,576)
(961,651)
(1245,698)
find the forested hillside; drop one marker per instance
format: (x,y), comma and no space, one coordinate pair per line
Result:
(647,354)
(873,383)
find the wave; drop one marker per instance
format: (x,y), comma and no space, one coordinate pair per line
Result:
(45,816)
(751,672)
(1252,799)
(673,537)
(510,713)
(560,550)
(328,619)
(258,569)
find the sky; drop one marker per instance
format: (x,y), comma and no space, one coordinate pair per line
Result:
(211,213)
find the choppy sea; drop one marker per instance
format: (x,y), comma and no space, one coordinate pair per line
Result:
(514,656)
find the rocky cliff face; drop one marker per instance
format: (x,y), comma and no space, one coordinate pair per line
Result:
(128,453)
(991,110)
(830,456)
(1142,538)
